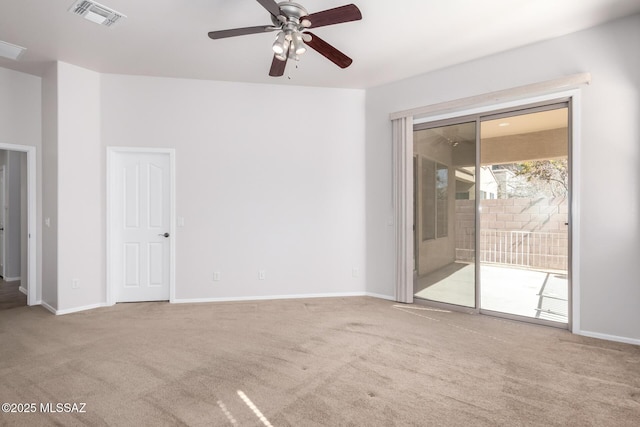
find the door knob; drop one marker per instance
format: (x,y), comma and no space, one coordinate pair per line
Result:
(164,235)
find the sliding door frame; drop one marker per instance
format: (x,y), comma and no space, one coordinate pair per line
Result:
(570,99)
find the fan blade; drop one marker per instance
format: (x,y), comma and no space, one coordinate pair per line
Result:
(328,51)
(241,31)
(277,67)
(271,6)
(336,15)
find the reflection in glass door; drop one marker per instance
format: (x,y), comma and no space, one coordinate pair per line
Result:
(445,188)
(524,207)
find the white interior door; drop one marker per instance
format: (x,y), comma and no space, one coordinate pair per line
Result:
(140,226)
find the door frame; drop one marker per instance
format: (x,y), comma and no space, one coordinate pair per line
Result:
(30,282)
(112,152)
(3,220)
(572,97)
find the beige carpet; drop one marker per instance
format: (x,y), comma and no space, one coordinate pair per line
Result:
(315,362)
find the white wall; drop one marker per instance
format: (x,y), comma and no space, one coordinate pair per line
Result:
(19,108)
(12,228)
(21,124)
(609,158)
(286,198)
(268,177)
(49,190)
(81,202)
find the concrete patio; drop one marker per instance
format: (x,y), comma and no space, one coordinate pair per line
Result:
(506,289)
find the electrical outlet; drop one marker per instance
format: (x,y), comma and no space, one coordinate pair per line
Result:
(262,274)
(75,283)
(216,276)
(355,272)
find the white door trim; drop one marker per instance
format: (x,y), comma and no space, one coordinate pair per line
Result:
(111,152)
(30,282)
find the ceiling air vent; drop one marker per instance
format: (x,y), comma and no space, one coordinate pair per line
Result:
(95,12)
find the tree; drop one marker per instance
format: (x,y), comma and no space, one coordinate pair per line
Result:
(550,176)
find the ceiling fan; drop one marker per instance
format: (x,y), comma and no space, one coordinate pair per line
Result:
(292,21)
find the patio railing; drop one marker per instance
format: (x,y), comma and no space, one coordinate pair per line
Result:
(532,249)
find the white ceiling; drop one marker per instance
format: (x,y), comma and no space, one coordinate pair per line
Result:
(394,40)
(525,123)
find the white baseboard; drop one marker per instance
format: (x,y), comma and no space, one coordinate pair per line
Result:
(48,307)
(374,295)
(23,290)
(11,279)
(608,337)
(83,308)
(226,299)
(70,310)
(270,297)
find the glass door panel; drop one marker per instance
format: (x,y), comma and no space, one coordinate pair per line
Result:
(445,232)
(524,205)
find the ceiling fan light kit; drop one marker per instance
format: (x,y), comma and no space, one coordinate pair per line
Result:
(291,20)
(289,44)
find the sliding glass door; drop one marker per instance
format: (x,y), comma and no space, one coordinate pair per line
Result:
(445,181)
(491,226)
(524,233)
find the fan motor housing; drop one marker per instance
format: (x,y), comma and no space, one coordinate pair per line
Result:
(292,11)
